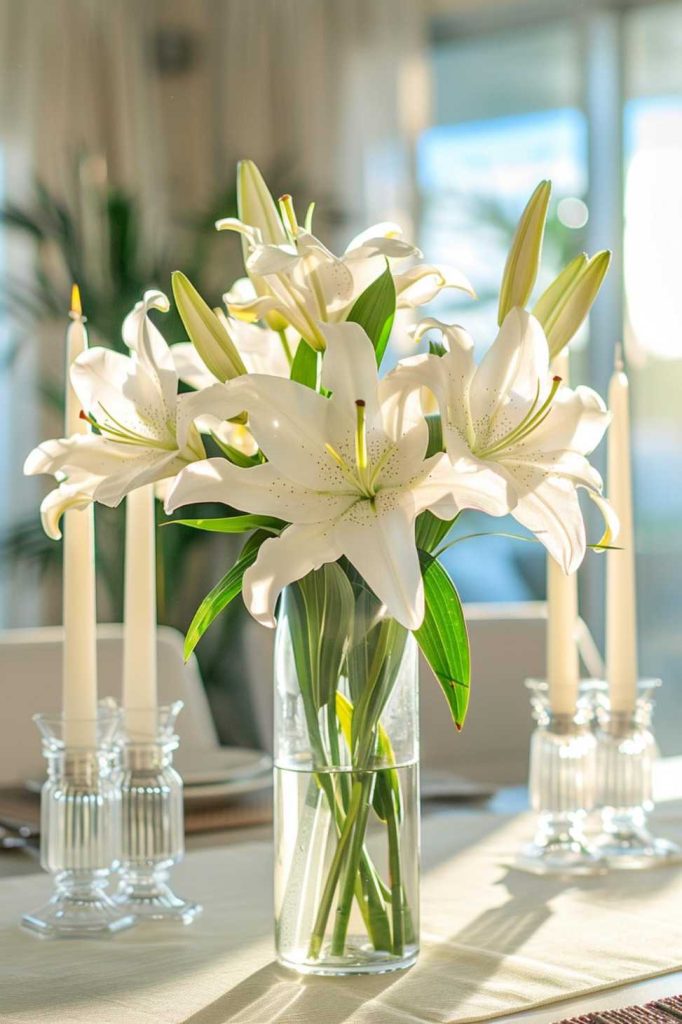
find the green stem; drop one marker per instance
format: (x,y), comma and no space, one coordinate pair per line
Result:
(350,869)
(320,926)
(395,877)
(370,891)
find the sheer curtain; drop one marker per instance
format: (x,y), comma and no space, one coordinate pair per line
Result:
(330,93)
(73,84)
(336,88)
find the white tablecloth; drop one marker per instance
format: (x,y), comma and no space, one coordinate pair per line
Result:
(494,941)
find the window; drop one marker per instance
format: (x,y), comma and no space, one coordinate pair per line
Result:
(594,101)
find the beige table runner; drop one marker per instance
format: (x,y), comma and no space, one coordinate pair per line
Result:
(494,941)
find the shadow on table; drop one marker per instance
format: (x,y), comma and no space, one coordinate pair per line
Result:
(272,993)
(448,976)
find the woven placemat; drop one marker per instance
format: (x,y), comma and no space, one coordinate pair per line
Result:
(660,1011)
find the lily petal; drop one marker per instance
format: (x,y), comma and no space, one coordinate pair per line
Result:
(379,541)
(284,559)
(423,282)
(550,509)
(510,371)
(190,367)
(74,493)
(349,371)
(260,490)
(150,347)
(578,419)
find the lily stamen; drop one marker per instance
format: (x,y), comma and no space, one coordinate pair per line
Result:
(530,422)
(122,434)
(360,435)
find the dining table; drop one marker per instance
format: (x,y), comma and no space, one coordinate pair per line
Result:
(497,943)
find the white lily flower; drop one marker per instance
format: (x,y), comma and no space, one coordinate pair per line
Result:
(300,280)
(512,417)
(145,429)
(348,473)
(261,351)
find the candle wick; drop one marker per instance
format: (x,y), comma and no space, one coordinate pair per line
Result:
(618,361)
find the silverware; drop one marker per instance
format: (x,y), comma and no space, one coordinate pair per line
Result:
(20,828)
(18,835)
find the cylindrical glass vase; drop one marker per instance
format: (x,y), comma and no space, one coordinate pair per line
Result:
(80,830)
(346,780)
(153,837)
(626,752)
(562,787)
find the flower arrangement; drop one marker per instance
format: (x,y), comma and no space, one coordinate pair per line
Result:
(348,490)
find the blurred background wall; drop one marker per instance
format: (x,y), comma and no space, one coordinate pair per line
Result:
(120,126)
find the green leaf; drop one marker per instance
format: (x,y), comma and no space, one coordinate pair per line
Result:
(443,637)
(231,524)
(225,591)
(435,425)
(321,621)
(235,456)
(436,348)
(374,310)
(387,795)
(430,530)
(304,366)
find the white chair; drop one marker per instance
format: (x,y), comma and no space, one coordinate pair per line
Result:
(507,647)
(31,680)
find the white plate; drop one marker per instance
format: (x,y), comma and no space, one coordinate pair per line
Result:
(220,764)
(222,792)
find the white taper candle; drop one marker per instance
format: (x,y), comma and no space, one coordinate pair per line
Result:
(621,606)
(79,690)
(139,657)
(562,616)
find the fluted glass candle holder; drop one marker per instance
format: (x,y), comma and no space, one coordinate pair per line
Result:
(626,752)
(562,788)
(152,816)
(80,831)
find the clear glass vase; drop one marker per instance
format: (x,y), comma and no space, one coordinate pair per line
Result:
(346,780)
(80,829)
(626,752)
(562,780)
(153,837)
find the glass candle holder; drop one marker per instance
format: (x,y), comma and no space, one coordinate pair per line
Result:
(562,787)
(626,752)
(152,816)
(80,831)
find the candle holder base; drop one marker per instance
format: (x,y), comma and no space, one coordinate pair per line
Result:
(561,783)
(150,898)
(153,826)
(628,847)
(80,830)
(78,910)
(560,848)
(626,751)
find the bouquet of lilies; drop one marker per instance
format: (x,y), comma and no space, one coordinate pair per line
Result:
(342,478)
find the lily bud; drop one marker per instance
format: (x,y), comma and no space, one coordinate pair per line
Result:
(256,205)
(566,303)
(258,209)
(548,304)
(205,331)
(521,268)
